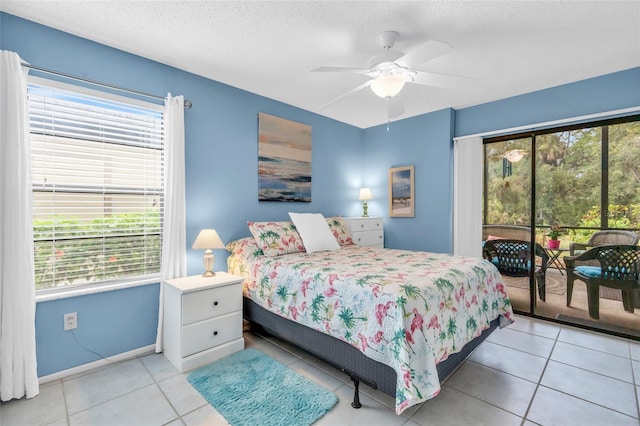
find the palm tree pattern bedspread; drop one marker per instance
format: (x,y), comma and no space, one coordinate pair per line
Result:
(406,309)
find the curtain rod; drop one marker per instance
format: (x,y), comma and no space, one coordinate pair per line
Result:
(187,103)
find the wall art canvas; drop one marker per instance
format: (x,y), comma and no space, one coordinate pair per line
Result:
(284,159)
(401,192)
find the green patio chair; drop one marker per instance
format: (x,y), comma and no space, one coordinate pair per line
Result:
(618,268)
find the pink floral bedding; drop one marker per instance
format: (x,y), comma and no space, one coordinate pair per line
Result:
(406,309)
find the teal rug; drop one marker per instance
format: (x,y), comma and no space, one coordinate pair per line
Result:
(250,388)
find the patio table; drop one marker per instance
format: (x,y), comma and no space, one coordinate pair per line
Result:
(554,257)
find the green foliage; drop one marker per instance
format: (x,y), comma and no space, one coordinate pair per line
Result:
(568,180)
(87,251)
(622,217)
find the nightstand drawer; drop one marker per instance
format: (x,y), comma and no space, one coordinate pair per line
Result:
(200,305)
(207,334)
(369,238)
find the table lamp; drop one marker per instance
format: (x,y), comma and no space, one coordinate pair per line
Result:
(365,195)
(208,239)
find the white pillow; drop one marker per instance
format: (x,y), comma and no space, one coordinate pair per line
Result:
(314,231)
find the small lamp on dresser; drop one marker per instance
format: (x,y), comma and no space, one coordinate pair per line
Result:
(365,195)
(206,240)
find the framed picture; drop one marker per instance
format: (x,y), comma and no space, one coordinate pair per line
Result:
(284,159)
(401,192)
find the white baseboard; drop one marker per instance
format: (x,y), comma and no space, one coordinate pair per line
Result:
(100,363)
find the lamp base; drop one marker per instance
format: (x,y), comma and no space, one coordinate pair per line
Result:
(365,209)
(208,261)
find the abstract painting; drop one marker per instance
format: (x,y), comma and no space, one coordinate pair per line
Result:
(284,159)
(401,192)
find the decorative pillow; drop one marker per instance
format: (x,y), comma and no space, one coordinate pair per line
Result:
(276,238)
(243,252)
(491,237)
(340,230)
(315,232)
(247,248)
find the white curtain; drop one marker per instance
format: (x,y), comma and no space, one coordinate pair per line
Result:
(174,235)
(467,196)
(18,370)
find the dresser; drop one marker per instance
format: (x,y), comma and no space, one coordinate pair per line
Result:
(202,319)
(366,231)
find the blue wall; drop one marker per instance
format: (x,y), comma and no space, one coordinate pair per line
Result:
(221,180)
(424,142)
(109,323)
(221,170)
(596,95)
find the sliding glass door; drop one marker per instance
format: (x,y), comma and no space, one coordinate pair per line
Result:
(587,184)
(568,190)
(579,186)
(507,207)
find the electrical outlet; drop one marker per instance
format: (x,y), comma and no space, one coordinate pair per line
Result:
(70,321)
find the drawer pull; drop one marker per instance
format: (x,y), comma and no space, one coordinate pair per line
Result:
(215,333)
(362,225)
(215,303)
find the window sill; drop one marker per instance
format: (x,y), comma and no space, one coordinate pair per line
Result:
(64,293)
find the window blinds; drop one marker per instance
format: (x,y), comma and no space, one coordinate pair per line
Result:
(97,171)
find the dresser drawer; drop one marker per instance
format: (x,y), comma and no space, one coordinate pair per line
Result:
(375,224)
(200,305)
(369,238)
(364,224)
(358,224)
(207,334)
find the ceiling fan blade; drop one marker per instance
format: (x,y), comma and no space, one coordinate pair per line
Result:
(425,52)
(434,79)
(340,69)
(396,106)
(354,90)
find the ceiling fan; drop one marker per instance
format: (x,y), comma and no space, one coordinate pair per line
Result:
(391,69)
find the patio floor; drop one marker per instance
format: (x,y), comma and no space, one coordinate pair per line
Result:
(612,315)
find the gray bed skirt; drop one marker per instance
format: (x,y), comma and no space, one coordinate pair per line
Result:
(342,355)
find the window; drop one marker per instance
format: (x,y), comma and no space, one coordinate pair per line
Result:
(97,169)
(507,198)
(586,177)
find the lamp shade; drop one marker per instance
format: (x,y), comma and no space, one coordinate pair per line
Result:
(207,239)
(387,86)
(365,194)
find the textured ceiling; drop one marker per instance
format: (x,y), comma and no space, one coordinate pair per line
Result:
(270,47)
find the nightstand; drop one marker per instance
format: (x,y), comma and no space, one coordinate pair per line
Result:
(366,231)
(202,319)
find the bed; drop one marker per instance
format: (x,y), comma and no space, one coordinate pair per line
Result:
(399,321)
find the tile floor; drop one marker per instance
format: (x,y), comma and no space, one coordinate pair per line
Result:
(532,372)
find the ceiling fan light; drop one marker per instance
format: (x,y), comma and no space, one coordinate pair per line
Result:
(387,86)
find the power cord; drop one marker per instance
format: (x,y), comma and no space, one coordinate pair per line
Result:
(87,349)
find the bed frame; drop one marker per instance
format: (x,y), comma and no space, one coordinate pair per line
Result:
(342,355)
